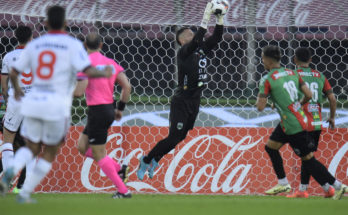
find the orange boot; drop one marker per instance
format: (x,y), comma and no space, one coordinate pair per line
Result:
(298,194)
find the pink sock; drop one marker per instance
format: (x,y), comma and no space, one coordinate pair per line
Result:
(108,167)
(116,165)
(89,153)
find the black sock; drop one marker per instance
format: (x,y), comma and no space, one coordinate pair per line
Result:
(305,176)
(21,178)
(317,170)
(162,148)
(277,162)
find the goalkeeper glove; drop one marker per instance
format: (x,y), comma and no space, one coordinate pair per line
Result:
(206,16)
(220,19)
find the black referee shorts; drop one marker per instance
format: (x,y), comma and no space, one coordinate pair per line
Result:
(99,119)
(183,114)
(301,142)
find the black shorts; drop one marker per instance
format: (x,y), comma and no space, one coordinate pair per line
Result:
(315,135)
(99,120)
(183,114)
(301,142)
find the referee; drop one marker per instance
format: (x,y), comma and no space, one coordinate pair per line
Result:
(192,77)
(101,113)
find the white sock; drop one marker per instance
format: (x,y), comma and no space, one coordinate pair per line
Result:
(283,181)
(337,185)
(21,158)
(7,155)
(29,167)
(40,170)
(326,187)
(303,187)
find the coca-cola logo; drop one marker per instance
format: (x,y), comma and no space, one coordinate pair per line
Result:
(231,168)
(276,12)
(337,159)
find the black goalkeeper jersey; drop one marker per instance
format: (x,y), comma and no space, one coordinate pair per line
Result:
(192,63)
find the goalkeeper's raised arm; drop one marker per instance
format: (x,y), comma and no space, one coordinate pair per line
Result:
(190,41)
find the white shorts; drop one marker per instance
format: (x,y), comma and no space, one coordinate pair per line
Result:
(13,118)
(47,132)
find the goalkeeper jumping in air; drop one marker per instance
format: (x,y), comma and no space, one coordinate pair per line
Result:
(192,77)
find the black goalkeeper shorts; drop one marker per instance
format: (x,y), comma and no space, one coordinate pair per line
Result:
(183,114)
(99,120)
(302,142)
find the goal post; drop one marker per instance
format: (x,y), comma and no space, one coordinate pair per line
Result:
(224,153)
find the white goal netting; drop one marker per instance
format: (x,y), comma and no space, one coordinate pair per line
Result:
(140,36)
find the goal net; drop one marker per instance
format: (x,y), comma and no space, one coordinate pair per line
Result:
(225,152)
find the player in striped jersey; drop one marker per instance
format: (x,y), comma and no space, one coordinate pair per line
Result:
(283,87)
(319,86)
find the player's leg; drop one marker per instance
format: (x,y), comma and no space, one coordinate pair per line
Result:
(177,132)
(41,169)
(312,165)
(22,157)
(305,175)
(100,119)
(32,131)
(275,142)
(7,148)
(52,135)
(83,146)
(193,110)
(12,121)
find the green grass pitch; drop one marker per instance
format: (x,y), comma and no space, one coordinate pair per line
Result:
(100,204)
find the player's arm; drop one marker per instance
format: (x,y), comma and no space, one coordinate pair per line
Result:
(93,72)
(80,88)
(264,91)
(4,79)
(332,102)
(306,92)
(4,86)
(122,81)
(261,102)
(216,37)
(21,64)
(190,47)
(18,93)
(82,82)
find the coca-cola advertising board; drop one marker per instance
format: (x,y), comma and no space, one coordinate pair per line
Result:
(209,161)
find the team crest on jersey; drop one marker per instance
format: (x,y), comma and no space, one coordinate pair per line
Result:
(297,151)
(180,125)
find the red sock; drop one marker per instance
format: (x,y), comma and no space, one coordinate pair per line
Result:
(108,167)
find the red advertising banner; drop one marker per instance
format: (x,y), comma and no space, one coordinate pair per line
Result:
(209,161)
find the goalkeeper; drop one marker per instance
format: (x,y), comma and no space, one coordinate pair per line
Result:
(192,77)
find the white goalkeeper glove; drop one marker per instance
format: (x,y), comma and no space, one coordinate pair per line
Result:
(220,19)
(206,16)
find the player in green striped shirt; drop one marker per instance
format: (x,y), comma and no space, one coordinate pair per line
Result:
(319,86)
(283,87)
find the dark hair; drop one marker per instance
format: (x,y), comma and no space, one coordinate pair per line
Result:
(272,52)
(303,54)
(23,34)
(56,17)
(180,32)
(93,41)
